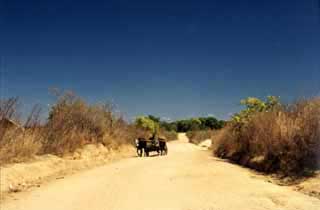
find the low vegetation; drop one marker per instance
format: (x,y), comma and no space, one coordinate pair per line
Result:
(17,143)
(198,136)
(271,137)
(200,129)
(72,123)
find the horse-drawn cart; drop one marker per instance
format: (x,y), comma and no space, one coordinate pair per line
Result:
(145,146)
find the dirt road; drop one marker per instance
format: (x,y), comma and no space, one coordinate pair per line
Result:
(187,179)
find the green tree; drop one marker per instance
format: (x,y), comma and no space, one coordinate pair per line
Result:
(147,124)
(154,118)
(254,105)
(195,124)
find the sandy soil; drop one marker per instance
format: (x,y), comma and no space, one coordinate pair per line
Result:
(187,179)
(23,176)
(310,186)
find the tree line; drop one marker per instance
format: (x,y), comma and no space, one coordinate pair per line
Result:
(192,124)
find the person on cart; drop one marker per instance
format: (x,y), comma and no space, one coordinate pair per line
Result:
(154,140)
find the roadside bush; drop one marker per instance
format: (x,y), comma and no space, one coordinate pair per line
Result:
(16,146)
(282,139)
(72,123)
(169,135)
(197,137)
(18,142)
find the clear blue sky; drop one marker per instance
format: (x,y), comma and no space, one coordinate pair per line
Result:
(168,58)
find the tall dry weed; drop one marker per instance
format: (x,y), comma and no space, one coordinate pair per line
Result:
(198,136)
(71,124)
(18,142)
(285,139)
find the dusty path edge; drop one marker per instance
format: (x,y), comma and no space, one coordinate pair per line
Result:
(27,176)
(309,186)
(21,177)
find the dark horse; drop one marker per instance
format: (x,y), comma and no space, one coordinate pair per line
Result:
(141,144)
(163,147)
(146,146)
(151,145)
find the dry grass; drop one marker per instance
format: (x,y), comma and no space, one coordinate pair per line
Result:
(72,123)
(17,146)
(17,143)
(197,137)
(286,139)
(169,135)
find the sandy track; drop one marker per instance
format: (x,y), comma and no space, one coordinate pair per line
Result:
(187,179)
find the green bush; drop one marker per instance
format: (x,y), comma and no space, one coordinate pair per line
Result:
(202,123)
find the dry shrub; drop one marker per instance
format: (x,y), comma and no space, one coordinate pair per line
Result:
(17,146)
(285,139)
(169,135)
(17,142)
(122,133)
(198,136)
(73,123)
